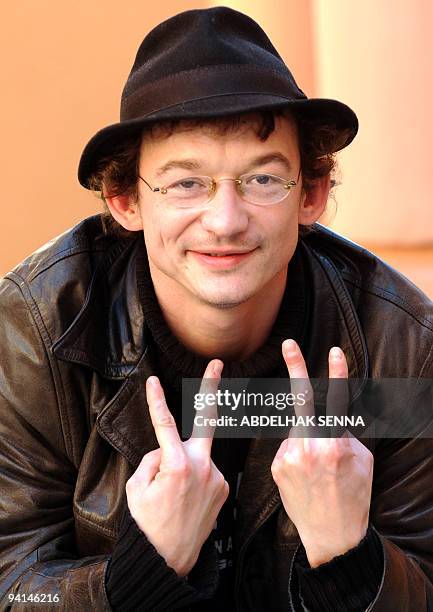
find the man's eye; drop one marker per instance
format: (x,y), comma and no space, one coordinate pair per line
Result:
(263,179)
(260,179)
(188,184)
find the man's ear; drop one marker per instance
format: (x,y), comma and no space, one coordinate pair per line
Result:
(313,200)
(126,211)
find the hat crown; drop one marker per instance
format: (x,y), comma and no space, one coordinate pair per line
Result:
(203,64)
(203,38)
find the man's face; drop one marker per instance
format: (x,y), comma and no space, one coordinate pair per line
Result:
(178,240)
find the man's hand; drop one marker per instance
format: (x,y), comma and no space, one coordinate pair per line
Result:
(324,483)
(176,492)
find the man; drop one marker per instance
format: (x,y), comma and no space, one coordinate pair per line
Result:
(207,263)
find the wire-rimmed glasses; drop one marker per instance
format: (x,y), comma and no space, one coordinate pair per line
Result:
(195,191)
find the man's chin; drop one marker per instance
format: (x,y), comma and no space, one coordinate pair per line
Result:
(224,302)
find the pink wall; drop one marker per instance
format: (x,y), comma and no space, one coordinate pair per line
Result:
(64,66)
(378,56)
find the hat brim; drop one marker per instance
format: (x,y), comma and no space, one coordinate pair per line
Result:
(320,111)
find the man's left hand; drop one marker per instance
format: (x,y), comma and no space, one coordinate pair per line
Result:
(324,483)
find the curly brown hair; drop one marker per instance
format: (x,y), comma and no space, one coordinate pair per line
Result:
(118,173)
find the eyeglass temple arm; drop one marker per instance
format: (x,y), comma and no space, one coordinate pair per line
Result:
(150,187)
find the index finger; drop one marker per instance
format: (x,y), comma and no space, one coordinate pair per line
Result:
(163,423)
(337,400)
(202,436)
(300,386)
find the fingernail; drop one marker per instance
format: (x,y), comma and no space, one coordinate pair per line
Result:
(336,353)
(289,346)
(153,381)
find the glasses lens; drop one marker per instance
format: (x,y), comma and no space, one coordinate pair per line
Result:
(190,191)
(264,188)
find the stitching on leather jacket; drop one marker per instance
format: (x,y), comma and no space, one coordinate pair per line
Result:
(382,293)
(42,332)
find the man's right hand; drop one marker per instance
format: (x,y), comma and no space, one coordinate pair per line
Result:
(177,491)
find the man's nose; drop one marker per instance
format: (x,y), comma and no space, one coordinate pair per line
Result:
(226,214)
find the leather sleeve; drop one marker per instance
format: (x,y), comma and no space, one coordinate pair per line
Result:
(401,513)
(37,555)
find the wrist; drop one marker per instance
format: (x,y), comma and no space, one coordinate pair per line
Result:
(320,551)
(180,563)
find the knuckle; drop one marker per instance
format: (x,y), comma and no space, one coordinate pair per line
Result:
(292,455)
(158,404)
(131,484)
(290,463)
(219,478)
(221,488)
(276,475)
(369,457)
(330,447)
(309,403)
(335,452)
(225,490)
(204,467)
(294,358)
(182,468)
(165,420)
(309,392)
(339,370)
(276,469)
(359,447)
(219,481)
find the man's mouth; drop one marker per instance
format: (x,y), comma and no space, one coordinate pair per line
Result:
(222,259)
(224,254)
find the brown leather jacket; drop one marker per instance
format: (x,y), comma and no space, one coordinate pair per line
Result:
(74,421)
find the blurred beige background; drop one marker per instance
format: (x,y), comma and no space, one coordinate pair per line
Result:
(65,64)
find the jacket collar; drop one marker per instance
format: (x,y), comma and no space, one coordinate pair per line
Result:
(333,319)
(108,335)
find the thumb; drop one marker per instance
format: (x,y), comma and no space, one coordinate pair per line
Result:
(148,468)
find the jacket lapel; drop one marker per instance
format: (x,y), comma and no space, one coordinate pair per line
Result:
(125,422)
(108,334)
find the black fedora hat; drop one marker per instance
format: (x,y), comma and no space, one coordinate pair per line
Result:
(208,63)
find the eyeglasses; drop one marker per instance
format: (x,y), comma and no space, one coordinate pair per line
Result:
(260,189)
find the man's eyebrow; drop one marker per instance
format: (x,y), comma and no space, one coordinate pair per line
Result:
(195,164)
(269,158)
(184,164)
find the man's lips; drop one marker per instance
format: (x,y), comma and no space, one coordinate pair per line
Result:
(219,258)
(223,252)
